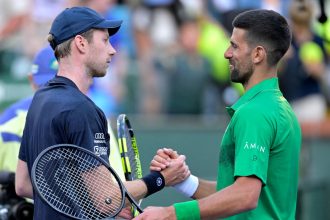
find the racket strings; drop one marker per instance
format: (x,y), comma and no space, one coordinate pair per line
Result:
(66,177)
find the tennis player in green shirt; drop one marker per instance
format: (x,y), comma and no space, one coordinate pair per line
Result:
(259,153)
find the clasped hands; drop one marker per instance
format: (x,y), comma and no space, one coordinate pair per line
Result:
(174,169)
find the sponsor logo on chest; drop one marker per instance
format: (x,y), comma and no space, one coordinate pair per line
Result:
(99,138)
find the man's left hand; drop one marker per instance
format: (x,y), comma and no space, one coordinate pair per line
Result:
(157,213)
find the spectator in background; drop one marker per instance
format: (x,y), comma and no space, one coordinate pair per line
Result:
(12,120)
(186,72)
(155,30)
(153,45)
(213,42)
(323,30)
(225,10)
(302,72)
(123,40)
(42,12)
(13,18)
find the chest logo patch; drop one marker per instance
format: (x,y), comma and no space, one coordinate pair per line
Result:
(99,138)
(100,151)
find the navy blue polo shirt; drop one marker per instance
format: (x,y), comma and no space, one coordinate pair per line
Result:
(61,114)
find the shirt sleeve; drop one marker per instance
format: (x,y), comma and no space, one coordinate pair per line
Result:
(253,135)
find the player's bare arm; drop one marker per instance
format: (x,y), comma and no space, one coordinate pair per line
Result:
(241,196)
(205,188)
(23,185)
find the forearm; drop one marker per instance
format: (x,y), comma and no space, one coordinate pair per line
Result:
(23,185)
(222,204)
(136,188)
(204,189)
(239,197)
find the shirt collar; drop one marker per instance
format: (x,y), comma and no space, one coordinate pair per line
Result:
(268,84)
(58,80)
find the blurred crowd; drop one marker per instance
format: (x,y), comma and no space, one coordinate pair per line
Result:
(170,53)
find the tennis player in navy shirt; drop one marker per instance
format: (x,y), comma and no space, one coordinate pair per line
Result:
(61,113)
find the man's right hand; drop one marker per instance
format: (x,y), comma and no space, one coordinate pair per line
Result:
(162,159)
(172,166)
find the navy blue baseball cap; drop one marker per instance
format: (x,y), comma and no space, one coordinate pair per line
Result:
(44,66)
(77,20)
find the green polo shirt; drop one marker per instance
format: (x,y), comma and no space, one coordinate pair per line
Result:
(263,139)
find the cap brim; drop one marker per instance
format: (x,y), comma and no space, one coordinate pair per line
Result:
(112,25)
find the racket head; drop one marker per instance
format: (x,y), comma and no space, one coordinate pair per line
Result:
(64,174)
(128,149)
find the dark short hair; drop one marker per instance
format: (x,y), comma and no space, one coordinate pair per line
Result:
(268,29)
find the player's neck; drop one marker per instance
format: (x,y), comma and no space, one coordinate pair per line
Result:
(260,75)
(76,73)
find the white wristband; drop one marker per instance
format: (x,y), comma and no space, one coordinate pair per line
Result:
(188,187)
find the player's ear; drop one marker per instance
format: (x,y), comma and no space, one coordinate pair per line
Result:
(80,42)
(258,54)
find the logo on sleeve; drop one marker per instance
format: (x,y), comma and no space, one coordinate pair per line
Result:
(254,146)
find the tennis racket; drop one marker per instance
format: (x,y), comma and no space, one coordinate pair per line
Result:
(129,151)
(76,182)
